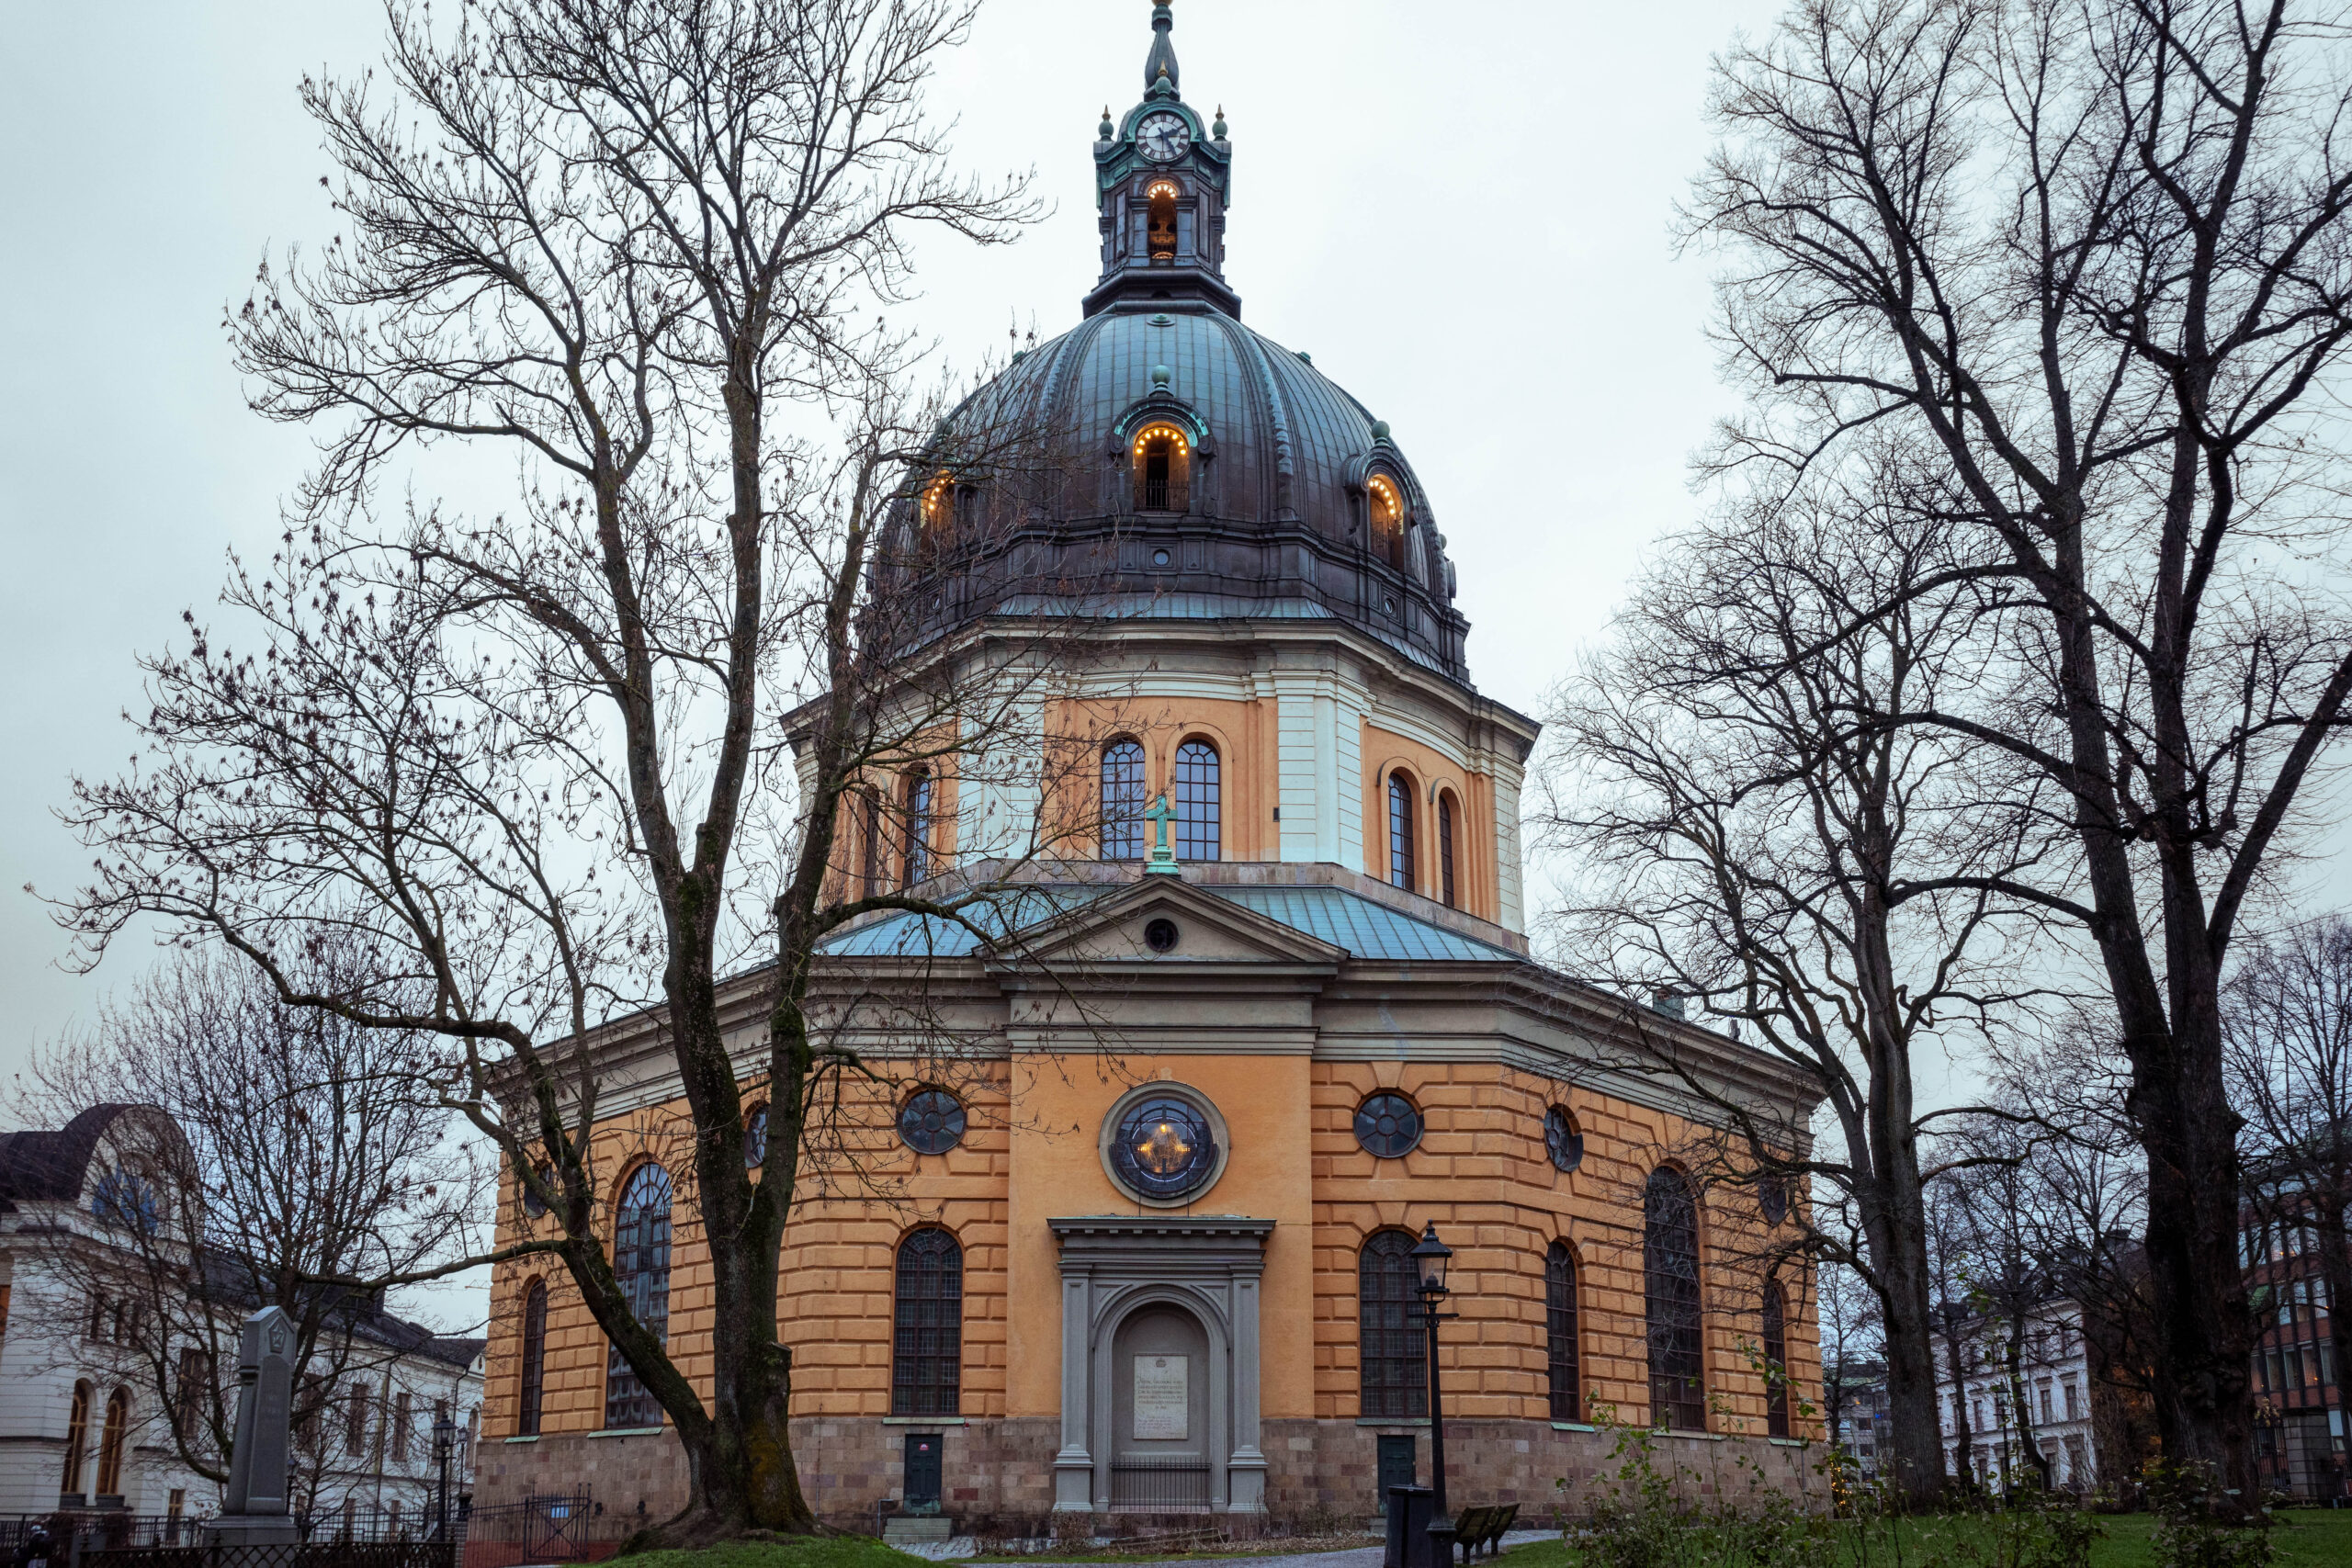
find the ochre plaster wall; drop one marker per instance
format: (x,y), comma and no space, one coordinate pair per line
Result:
(1475,832)
(1031,1153)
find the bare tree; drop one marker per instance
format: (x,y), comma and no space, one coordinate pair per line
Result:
(2287,1011)
(596,750)
(1754,843)
(299,1148)
(2088,265)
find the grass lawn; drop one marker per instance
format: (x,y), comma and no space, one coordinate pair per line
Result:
(2306,1538)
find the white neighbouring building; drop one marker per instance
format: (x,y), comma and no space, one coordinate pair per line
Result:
(81,1424)
(2055,1374)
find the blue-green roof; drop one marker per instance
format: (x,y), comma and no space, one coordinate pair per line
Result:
(1364,929)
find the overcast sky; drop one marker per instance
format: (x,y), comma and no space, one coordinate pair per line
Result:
(1463,211)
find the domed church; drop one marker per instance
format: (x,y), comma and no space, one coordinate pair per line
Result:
(1145,1246)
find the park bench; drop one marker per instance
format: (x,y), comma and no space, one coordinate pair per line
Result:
(1484,1527)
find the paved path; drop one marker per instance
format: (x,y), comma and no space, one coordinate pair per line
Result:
(1350,1557)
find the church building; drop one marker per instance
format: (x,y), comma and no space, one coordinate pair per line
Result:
(1176,1276)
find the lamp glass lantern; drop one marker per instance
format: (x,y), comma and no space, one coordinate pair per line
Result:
(1430,1258)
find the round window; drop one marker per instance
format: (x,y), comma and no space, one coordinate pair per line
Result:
(1562,1140)
(1161,1142)
(1387,1125)
(755,1139)
(932,1122)
(1160,936)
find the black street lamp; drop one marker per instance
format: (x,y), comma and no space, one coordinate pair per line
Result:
(444,1439)
(1430,1258)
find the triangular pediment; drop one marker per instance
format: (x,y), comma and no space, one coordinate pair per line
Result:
(1118,931)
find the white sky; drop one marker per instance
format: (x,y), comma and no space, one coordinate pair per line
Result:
(1463,211)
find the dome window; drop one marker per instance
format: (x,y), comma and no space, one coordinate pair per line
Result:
(1163,465)
(1163,238)
(1387,507)
(938,505)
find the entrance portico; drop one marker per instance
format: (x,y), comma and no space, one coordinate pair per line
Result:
(1163,1290)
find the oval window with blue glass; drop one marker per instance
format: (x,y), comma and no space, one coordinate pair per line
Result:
(1162,1146)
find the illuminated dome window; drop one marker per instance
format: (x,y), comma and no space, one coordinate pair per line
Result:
(1163,1145)
(1387,507)
(1163,465)
(939,504)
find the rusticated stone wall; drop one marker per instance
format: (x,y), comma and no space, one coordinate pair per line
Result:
(997,1475)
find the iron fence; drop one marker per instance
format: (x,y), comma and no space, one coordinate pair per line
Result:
(1159,1485)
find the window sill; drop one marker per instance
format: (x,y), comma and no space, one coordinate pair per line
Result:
(1392,1420)
(630,1432)
(1681,1432)
(533,1439)
(1574,1427)
(1786,1442)
(924,1420)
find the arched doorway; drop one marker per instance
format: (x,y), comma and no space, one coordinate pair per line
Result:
(1160,1451)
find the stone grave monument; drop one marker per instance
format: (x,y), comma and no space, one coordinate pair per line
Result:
(255,1512)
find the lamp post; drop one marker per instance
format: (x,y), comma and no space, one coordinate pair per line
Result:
(444,1439)
(1430,1258)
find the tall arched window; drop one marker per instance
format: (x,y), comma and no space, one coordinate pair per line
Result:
(1200,802)
(916,865)
(1670,1285)
(535,1359)
(1163,234)
(1445,848)
(1389,1344)
(870,859)
(1776,1360)
(642,1268)
(77,1440)
(1400,830)
(110,1443)
(1560,1332)
(927,1348)
(1163,466)
(1386,505)
(1123,802)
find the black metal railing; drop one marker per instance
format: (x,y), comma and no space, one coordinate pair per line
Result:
(1159,1485)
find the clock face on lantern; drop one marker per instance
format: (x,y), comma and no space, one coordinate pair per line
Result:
(1163,137)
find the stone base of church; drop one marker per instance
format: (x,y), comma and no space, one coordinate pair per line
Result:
(998,1475)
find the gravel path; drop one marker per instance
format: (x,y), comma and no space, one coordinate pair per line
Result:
(1352,1557)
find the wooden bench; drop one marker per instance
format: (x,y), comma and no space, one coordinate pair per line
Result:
(1484,1527)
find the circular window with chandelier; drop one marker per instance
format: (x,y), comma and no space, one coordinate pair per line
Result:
(1163,1145)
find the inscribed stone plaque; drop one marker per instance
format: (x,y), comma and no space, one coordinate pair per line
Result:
(1163,1400)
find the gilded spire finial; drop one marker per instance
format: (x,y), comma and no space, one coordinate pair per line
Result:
(1106,129)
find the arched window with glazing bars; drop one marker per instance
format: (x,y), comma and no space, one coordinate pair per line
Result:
(1200,802)
(1446,848)
(1400,830)
(917,864)
(1560,1328)
(110,1444)
(1671,1291)
(77,1440)
(1123,801)
(532,1385)
(927,1342)
(1776,1360)
(642,1268)
(1393,1367)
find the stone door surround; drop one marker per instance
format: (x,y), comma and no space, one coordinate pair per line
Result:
(1211,1265)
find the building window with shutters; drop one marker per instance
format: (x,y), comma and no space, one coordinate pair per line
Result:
(927,1343)
(1670,1293)
(1560,1332)
(641,1269)
(1200,802)
(1392,1367)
